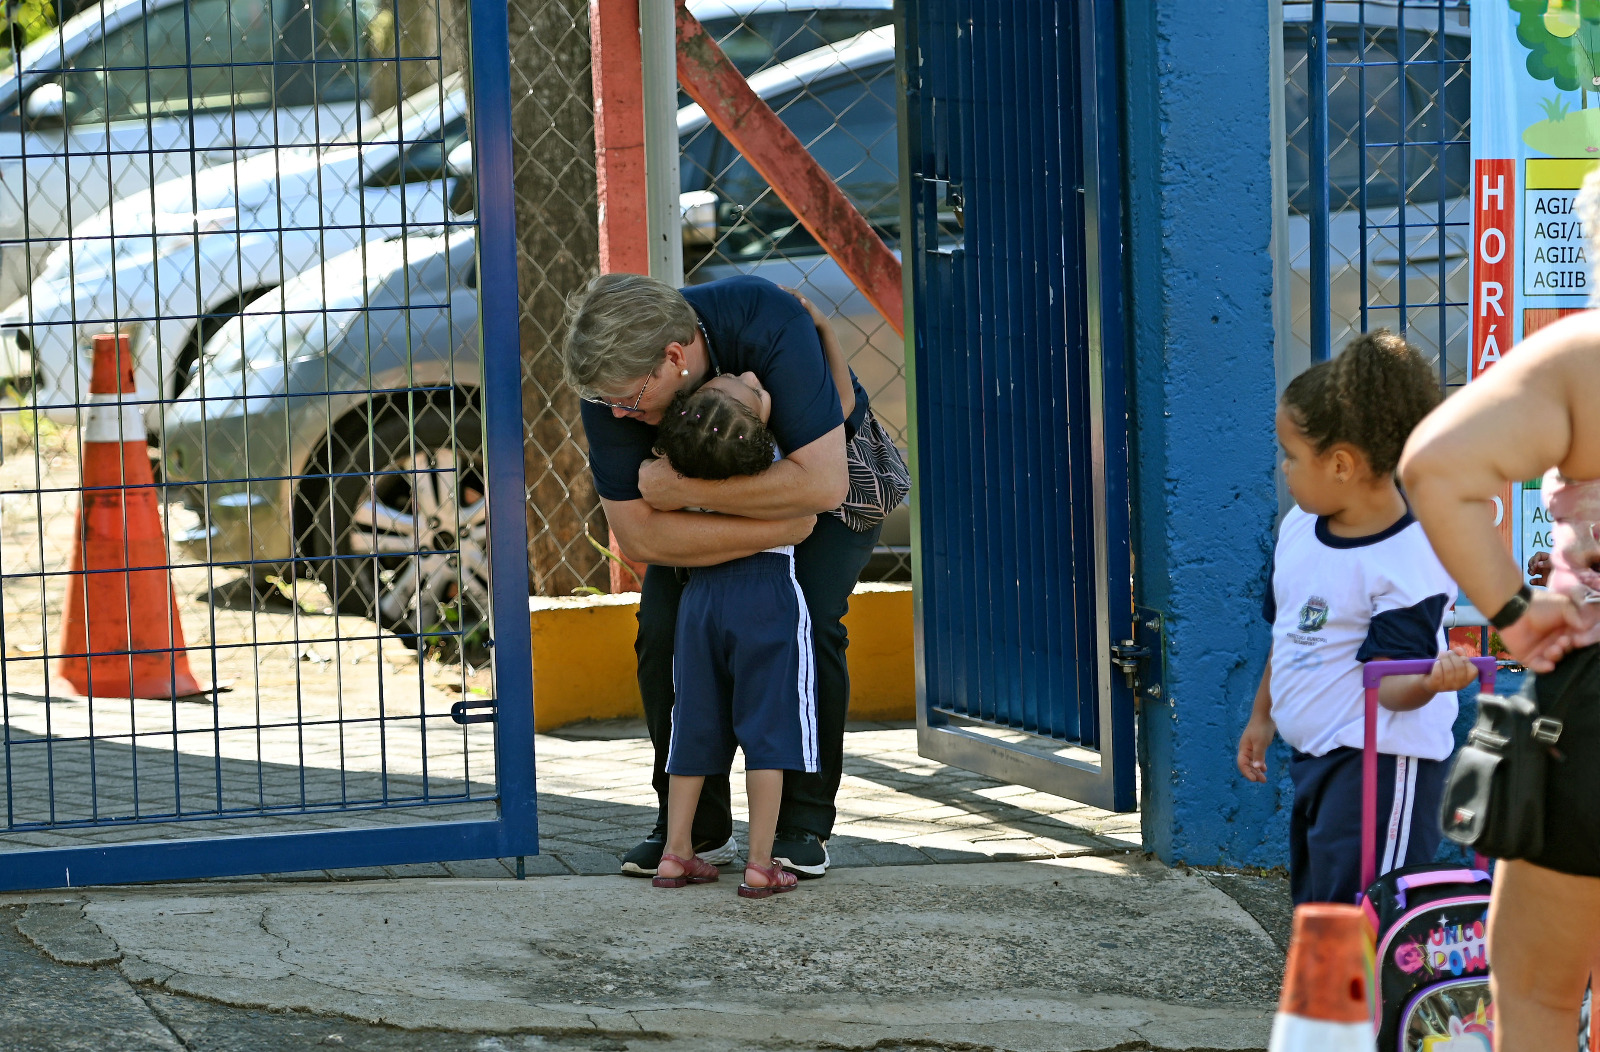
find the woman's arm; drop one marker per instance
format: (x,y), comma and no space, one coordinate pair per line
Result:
(811,480)
(688,538)
(1513,423)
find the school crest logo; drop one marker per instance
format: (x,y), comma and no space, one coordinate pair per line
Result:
(1314,614)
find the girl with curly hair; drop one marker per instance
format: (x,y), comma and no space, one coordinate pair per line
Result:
(1353,579)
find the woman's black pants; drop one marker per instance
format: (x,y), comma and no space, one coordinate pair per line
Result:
(827,565)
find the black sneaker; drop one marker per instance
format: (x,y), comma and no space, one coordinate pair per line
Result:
(644,860)
(801,853)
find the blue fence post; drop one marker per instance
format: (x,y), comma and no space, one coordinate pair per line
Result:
(499,323)
(1321,193)
(1200,283)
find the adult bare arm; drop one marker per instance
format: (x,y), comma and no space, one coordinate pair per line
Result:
(1514,422)
(811,480)
(689,538)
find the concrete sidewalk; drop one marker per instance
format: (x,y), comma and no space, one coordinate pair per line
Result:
(1060,954)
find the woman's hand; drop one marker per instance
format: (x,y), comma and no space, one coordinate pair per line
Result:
(658,485)
(1253,745)
(1543,635)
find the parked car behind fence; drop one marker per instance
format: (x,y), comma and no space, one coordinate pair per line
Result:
(171,266)
(131,93)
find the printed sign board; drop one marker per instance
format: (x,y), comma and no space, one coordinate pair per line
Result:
(1535,137)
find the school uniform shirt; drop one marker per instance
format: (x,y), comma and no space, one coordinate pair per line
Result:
(750,325)
(1336,603)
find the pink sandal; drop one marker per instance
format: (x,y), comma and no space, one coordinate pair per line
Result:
(696,870)
(779,880)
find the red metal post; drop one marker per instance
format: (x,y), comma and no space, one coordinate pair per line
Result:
(619,165)
(619,135)
(768,144)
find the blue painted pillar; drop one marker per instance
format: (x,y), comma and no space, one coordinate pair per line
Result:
(1200,282)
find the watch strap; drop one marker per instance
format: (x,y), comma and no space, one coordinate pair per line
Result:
(1515,607)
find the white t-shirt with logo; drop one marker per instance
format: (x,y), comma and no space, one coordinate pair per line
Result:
(1338,602)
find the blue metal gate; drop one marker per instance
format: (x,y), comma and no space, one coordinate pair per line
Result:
(1016,361)
(306,288)
(1377,123)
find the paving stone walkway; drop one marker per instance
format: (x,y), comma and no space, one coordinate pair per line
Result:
(895,807)
(595,803)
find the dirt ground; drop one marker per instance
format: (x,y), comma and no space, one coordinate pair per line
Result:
(291,685)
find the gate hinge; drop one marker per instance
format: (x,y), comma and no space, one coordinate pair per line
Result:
(461,714)
(1141,657)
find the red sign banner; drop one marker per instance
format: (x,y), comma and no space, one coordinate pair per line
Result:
(1493,260)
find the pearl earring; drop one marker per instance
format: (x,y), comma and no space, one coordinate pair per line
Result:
(683,372)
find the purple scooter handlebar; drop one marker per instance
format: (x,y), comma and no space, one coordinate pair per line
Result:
(1373,673)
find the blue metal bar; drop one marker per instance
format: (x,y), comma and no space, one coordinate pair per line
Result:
(499,326)
(1402,89)
(230,856)
(1317,169)
(1365,232)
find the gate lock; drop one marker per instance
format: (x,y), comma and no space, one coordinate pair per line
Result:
(1141,657)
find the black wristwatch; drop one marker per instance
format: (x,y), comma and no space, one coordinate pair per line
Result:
(1515,607)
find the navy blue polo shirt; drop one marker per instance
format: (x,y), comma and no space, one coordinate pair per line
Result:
(752,326)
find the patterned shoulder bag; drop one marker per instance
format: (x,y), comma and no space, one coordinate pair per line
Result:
(879,477)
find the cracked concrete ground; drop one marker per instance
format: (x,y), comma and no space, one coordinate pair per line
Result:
(1062,954)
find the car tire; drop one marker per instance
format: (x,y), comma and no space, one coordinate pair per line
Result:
(401,532)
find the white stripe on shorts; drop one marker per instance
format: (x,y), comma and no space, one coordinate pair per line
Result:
(807,678)
(1398,833)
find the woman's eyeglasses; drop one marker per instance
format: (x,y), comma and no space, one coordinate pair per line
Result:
(634,408)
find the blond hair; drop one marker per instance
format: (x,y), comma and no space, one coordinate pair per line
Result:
(618,328)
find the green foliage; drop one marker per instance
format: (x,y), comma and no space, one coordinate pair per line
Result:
(1555,109)
(35,18)
(1568,61)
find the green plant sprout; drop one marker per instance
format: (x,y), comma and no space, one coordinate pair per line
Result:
(1555,109)
(609,554)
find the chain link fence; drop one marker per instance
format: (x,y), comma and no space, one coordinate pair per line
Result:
(558,239)
(1396,170)
(826,69)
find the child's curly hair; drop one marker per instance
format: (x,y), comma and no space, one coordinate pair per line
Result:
(1371,397)
(710,435)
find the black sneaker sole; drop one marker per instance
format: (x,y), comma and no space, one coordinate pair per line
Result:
(806,872)
(720,855)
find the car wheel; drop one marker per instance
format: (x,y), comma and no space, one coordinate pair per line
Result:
(402,532)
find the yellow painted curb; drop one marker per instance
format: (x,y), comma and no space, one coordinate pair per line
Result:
(583,664)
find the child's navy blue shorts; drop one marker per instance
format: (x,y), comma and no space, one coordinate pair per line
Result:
(1325,825)
(743,670)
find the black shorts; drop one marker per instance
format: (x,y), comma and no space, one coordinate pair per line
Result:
(1572,792)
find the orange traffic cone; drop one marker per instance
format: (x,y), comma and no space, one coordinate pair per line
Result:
(1326,1004)
(121,637)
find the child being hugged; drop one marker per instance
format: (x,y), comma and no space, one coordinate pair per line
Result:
(743,668)
(1354,580)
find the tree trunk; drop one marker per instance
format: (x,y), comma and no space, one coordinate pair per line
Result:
(552,119)
(406,34)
